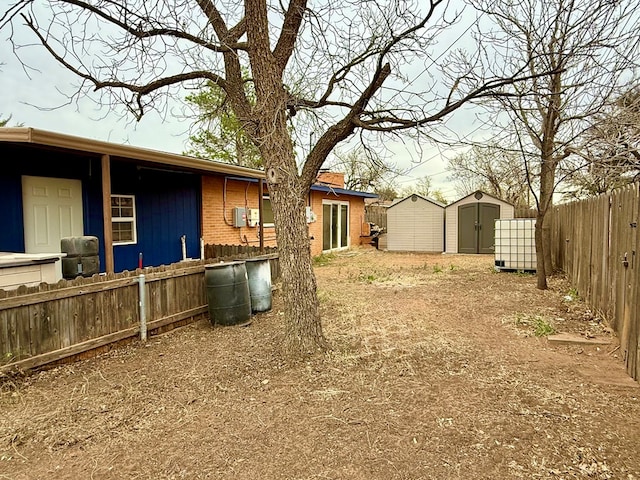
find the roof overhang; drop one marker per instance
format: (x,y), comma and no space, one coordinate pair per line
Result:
(33,136)
(45,138)
(341,191)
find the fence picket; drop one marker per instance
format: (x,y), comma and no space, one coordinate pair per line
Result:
(590,241)
(52,322)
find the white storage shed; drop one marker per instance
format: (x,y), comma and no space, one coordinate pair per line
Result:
(415,224)
(470,223)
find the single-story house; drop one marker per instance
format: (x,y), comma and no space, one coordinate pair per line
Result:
(470,222)
(415,224)
(335,215)
(142,203)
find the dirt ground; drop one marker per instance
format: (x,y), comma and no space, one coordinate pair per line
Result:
(436,372)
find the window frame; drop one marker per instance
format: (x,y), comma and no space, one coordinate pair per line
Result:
(119,219)
(266,198)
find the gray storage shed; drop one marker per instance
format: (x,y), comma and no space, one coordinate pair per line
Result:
(470,222)
(415,224)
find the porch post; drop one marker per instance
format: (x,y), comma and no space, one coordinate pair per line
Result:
(106,213)
(261,220)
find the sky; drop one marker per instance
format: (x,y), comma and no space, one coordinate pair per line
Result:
(39,98)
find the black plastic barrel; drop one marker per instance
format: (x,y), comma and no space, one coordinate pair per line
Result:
(259,274)
(82,256)
(82,246)
(228,293)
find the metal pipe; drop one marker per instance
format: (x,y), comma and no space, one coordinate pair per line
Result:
(201,248)
(183,239)
(142,305)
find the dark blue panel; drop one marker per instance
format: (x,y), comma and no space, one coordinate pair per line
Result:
(12,231)
(167,207)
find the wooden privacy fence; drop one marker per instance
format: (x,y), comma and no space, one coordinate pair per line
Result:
(51,322)
(376,214)
(596,243)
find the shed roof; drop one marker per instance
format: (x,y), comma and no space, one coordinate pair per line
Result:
(483,193)
(427,199)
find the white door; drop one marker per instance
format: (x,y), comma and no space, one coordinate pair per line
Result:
(52,210)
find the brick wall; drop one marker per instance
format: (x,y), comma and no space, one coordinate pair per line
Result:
(217,213)
(217,221)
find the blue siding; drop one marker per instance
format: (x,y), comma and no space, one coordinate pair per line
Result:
(21,160)
(167,207)
(11,237)
(168,204)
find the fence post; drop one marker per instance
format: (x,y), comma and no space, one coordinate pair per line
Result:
(142,304)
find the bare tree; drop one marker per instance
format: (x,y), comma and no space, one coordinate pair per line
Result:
(590,47)
(387,192)
(424,186)
(609,156)
(343,67)
(494,169)
(363,169)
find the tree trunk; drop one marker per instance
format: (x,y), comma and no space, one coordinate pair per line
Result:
(541,272)
(542,234)
(303,327)
(546,241)
(267,125)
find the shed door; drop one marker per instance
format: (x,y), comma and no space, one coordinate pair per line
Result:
(467,228)
(487,215)
(476,227)
(52,210)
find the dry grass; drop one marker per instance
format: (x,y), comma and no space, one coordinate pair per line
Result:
(430,376)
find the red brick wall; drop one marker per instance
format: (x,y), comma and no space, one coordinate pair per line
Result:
(217,230)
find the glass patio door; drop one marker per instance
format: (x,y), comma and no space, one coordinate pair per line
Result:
(335,225)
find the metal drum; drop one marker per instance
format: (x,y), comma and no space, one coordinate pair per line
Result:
(259,273)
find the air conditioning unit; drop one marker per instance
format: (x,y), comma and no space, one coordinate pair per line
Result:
(515,245)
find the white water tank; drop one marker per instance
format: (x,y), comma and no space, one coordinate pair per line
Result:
(515,246)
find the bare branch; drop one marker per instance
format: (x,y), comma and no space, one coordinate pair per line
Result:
(140,33)
(289,33)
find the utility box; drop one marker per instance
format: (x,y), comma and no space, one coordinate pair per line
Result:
(515,246)
(239,217)
(253,219)
(311,216)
